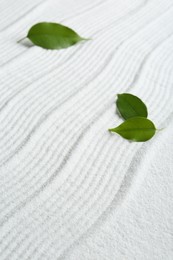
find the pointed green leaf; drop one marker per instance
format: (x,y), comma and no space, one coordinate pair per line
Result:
(137,129)
(131,106)
(53,36)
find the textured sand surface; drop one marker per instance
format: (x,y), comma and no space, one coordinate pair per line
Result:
(68,188)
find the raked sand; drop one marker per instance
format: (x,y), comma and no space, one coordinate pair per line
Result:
(70,190)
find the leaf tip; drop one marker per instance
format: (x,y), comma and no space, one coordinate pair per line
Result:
(111,130)
(161,129)
(86,39)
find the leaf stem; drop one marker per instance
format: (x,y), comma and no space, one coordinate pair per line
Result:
(21,39)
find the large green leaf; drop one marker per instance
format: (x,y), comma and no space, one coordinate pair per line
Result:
(53,36)
(137,129)
(131,106)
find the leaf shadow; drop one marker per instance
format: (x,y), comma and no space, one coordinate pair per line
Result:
(117,112)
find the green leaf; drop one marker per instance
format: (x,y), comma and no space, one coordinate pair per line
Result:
(131,106)
(53,36)
(137,129)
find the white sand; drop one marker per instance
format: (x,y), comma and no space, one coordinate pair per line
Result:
(70,190)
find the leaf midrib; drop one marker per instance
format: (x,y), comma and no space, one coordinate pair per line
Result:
(137,129)
(131,106)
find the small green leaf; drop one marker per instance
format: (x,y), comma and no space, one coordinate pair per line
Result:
(53,36)
(131,106)
(137,129)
